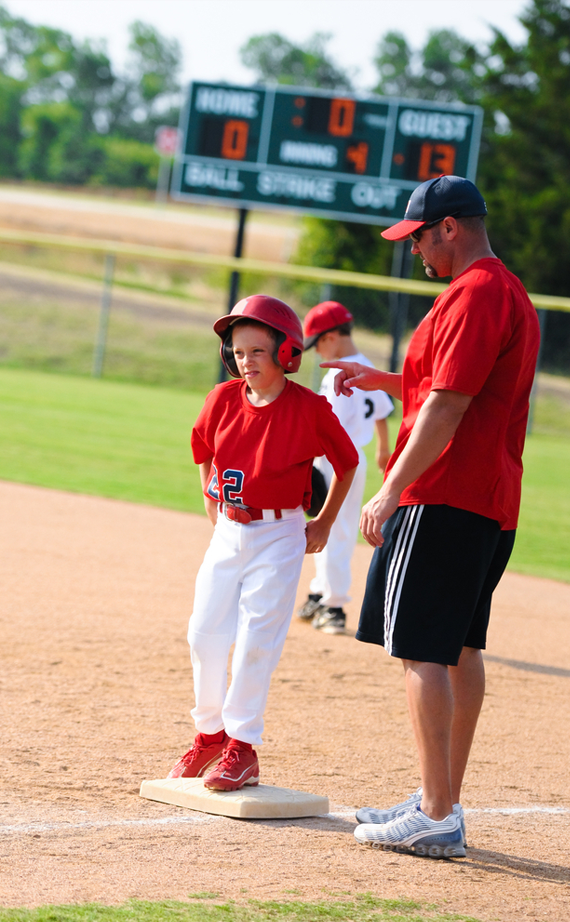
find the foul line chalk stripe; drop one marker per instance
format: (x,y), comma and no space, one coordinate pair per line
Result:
(201,818)
(508,811)
(106,824)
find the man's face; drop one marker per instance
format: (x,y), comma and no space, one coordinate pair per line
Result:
(431,247)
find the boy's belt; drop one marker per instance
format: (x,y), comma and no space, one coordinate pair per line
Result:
(246,514)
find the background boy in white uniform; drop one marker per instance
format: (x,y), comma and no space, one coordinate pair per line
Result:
(255,440)
(328,328)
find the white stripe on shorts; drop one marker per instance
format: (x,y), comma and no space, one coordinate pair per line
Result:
(397,571)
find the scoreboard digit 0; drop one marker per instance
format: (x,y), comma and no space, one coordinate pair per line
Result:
(349,157)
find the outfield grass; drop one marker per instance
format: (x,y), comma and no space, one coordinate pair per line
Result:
(206,908)
(123,441)
(132,442)
(542,547)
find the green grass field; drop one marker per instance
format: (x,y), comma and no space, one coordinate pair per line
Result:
(132,442)
(118,440)
(206,908)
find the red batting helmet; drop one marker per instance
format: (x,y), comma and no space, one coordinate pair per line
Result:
(273,313)
(323,318)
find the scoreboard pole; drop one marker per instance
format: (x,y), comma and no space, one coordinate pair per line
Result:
(402,266)
(235,276)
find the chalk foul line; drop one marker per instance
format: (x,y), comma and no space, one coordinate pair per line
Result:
(203,818)
(32,828)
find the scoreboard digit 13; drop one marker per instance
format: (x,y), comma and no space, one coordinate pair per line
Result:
(356,158)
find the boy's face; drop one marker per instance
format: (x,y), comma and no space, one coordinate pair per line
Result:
(326,345)
(253,349)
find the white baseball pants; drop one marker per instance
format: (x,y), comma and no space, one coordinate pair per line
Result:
(245,595)
(333,576)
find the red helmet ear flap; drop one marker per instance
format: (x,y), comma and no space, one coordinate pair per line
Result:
(289,356)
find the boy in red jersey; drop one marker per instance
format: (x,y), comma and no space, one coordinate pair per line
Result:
(255,440)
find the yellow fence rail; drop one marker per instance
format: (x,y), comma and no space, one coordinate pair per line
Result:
(284,270)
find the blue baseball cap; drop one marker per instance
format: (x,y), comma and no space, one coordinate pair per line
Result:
(445,196)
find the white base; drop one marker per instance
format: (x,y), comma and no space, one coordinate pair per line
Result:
(261,802)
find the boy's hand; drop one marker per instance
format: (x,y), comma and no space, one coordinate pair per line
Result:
(318,529)
(317,535)
(211,507)
(382,458)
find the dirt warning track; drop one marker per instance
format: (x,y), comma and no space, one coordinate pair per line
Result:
(95,691)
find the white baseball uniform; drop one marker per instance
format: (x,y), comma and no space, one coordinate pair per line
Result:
(357,415)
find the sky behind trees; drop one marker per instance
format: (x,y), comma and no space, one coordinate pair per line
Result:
(212,31)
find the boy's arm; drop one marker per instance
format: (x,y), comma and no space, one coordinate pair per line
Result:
(383,444)
(318,529)
(210,505)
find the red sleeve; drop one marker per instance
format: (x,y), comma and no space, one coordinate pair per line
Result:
(469,332)
(336,443)
(204,429)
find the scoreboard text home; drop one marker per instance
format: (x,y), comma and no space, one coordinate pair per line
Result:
(355,158)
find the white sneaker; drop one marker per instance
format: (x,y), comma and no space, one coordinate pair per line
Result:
(416,833)
(372,815)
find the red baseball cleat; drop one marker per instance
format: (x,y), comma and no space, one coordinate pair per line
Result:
(201,757)
(237,768)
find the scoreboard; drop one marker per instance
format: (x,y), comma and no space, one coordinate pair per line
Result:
(338,156)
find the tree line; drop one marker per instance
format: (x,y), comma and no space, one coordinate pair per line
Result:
(67,116)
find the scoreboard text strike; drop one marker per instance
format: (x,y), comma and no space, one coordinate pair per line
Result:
(355,158)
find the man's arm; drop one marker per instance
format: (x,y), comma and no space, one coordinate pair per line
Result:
(434,428)
(318,529)
(210,505)
(353,374)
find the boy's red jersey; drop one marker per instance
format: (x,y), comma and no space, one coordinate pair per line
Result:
(263,456)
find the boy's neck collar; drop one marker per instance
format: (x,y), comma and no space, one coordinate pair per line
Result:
(262,398)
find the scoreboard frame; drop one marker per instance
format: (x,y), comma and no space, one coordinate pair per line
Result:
(335,155)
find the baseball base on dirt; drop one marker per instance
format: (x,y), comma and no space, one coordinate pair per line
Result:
(262,802)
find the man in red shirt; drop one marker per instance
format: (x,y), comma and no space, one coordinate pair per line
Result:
(443,524)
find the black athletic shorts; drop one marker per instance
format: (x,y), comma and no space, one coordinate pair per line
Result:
(429,587)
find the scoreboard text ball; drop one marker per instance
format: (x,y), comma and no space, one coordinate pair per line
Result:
(338,156)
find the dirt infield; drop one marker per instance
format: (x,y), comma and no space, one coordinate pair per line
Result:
(95,694)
